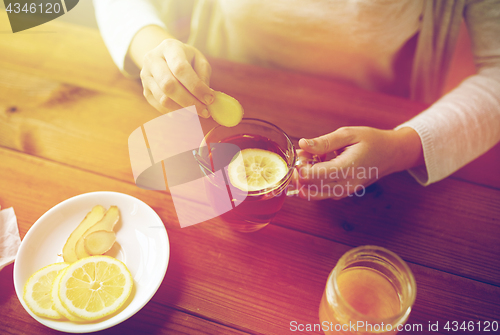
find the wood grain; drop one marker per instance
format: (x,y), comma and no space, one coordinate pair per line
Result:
(69,124)
(64,52)
(152,319)
(452,226)
(251,282)
(73,70)
(65,117)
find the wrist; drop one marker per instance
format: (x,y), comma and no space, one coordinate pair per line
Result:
(408,148)
(146,40)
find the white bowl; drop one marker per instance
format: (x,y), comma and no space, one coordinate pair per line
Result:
(142,244)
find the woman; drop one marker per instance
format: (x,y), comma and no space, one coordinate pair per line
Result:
(357,41)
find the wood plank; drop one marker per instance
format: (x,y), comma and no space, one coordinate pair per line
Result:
(254,282)
(76,56)
(35,118)
(94,137)
(69,124)
(452,226)
(305,106)
(64,52)
(150,319)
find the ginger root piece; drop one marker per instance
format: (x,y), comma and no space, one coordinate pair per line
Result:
(99,242)
(106,223)
(225,110)
(94,216)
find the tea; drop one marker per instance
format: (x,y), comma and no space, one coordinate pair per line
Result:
(259,206)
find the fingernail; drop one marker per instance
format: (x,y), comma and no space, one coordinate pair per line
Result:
(205,114)
(209,99)
(310,143)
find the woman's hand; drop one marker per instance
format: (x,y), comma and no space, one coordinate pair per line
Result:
(364,155)
(177,75)
(174,74)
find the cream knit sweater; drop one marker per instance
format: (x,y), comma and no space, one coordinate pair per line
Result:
(350,40)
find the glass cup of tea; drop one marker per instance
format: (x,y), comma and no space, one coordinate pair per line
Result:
(371,290)
(254,206)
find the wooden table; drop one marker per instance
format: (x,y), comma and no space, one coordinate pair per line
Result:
(66,113)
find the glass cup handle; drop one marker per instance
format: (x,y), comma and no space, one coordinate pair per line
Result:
(300,162)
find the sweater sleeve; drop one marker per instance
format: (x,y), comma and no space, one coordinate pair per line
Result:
(119,21)
(465,123)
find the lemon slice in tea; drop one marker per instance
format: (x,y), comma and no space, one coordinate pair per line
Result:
(94,287)
(256,169)
(38,288)
(225,110)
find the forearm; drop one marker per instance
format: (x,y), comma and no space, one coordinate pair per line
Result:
(119,22)
(144,41)
(459,127)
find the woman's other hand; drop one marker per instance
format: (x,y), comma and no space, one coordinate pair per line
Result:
(364,155)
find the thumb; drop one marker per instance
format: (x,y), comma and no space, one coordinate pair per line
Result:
(336,140)
(202,67)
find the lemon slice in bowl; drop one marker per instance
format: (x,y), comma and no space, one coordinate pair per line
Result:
(58,306)
(225,110)
(38,288)
(94,287)
(256,169)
